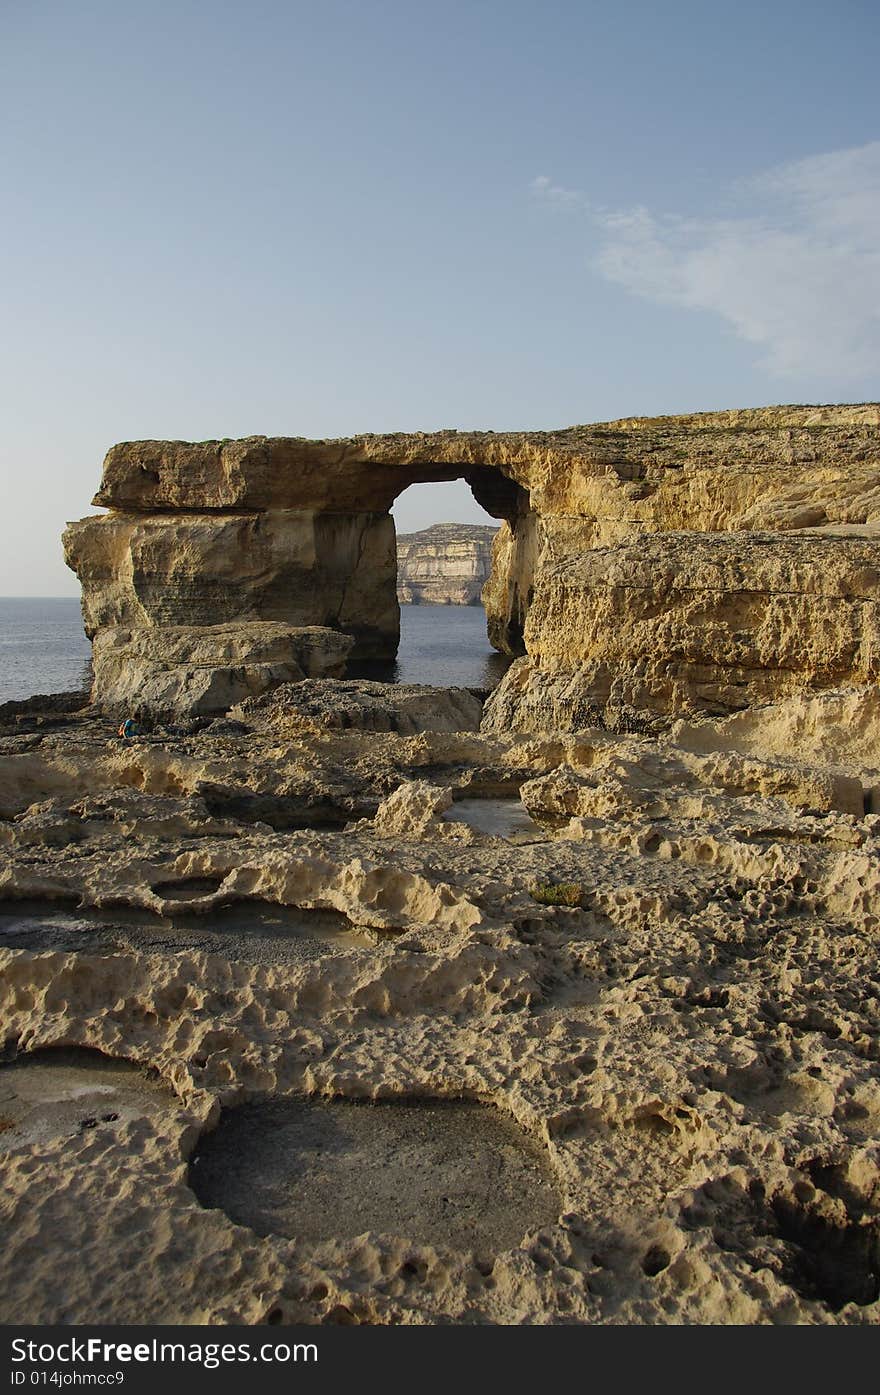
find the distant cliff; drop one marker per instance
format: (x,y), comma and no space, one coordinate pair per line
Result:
(446,564)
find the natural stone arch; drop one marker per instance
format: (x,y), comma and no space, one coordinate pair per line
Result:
(670,564)
(284,530)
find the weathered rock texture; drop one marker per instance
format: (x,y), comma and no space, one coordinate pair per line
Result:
(447,564)
(666,991)
(362,706)
(190,671)
(716,622)
(197,568)
(298,531)
(667,977)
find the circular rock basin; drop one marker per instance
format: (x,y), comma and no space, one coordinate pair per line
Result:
(450,1173)
(60,1093)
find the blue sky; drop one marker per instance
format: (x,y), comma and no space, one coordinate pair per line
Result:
(320,218)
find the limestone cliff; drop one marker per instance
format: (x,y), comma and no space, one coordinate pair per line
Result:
(446,564)
(298,532)
(680,621)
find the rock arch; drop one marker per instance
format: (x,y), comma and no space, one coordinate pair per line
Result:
(285,530)
(676,563)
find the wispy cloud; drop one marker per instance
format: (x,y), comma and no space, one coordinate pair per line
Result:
(543,187)
(796,272)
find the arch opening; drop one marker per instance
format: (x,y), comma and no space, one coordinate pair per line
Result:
(458,601)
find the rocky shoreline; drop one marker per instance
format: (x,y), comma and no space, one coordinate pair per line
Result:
(584,970)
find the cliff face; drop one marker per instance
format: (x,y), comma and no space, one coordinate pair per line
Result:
(605,575)
(681,622)
(446,564)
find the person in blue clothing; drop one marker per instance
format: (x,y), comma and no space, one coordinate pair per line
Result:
(128,729)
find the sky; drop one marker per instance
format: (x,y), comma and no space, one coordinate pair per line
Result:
(283,218)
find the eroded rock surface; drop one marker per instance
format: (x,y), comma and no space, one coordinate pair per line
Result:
(445,1172)
(189,671)
(677,622)
(665,987)
(364,706)
(197,569)
(653,955)
(59,1095)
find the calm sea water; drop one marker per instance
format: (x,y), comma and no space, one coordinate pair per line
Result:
(444,645)
(43,648)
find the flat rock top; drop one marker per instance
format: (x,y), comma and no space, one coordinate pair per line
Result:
(442,535)
(810,561)
(367,472)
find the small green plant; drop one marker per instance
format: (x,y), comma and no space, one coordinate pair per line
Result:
(558,893)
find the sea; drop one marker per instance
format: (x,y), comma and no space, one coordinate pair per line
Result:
(43,648)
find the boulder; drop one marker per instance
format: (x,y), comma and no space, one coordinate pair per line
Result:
(179,671)
(412,810)
(317,706)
